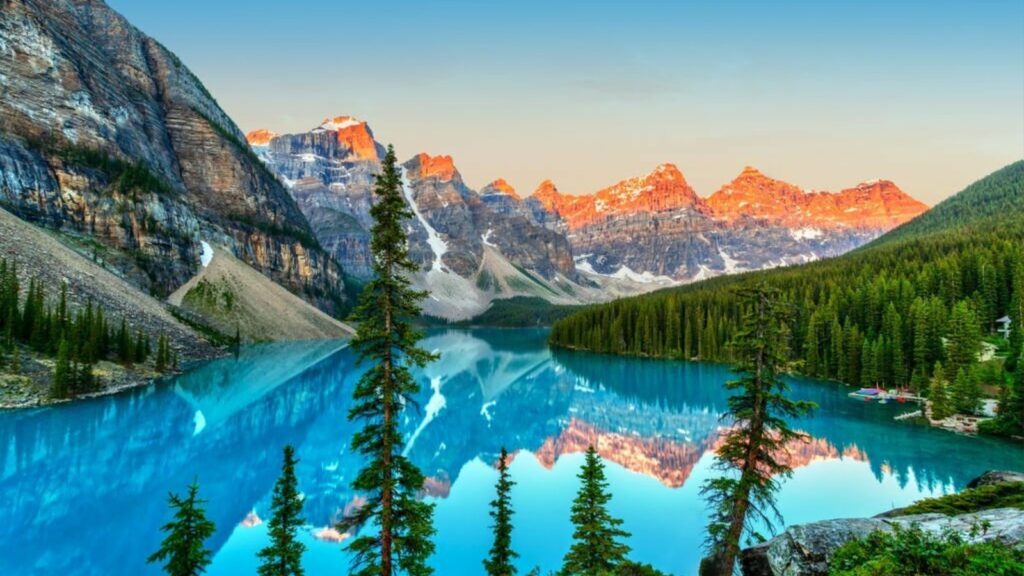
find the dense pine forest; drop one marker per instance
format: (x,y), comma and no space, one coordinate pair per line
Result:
(75,340)
(921,300)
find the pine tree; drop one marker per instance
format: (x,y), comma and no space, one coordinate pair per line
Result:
(499,563)
(389,482)
(1011,409)
(62,372)
(1016,316)
(964,341)
(966,392)
(759,434)
(161,354)
(125,354)
(938,395)
(183,550)
(596,549)
(283,557)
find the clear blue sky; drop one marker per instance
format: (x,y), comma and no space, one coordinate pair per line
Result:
(824,94)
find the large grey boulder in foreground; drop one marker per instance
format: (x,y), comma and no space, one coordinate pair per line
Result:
(806,550)
(996,477)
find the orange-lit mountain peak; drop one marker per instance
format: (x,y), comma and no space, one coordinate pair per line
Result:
(667,171)
(877,204)
(546,189)
(340,122)
(353,134)
(664,188)
(756,195)
(552,200)
(260,137)
(501,186)
(440,167)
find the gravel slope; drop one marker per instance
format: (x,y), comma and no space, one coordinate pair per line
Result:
(229,294)
(39,254)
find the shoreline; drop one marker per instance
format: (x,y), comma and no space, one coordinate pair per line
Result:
(117,380)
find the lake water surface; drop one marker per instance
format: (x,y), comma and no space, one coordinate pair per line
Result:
(83,486)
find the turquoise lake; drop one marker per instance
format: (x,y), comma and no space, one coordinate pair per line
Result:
(83,486)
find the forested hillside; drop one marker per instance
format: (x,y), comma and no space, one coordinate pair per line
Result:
(887,314)
(987,201)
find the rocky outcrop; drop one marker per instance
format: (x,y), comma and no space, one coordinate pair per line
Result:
(330,172)
(106,135)
(806,549)
(496,217)
(996,477)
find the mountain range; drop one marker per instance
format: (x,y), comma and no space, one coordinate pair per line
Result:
(109,140)
(642,233)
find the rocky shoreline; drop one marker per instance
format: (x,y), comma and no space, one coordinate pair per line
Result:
(31,387)
(806,549)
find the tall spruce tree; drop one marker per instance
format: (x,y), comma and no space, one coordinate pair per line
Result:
(283,557)
(966,392)
(183,552)
(386,337)
(1011,410)
(964,340)
(938,394)
(750,454)
(62,372)
(596,549)
(499,562)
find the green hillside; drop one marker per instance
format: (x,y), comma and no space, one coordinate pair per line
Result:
(883,315)
(988,201)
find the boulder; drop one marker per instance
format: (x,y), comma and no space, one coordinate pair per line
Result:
(806,549)
(996,477)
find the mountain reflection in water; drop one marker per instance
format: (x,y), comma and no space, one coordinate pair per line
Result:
(84,485)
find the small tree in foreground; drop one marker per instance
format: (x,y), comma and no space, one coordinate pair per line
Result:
(596,549)
(183,551)
(752,450)
(283,557)
(499,563)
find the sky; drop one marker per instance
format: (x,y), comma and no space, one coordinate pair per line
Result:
(928,93)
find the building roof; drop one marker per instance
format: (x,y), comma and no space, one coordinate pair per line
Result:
(1004,320)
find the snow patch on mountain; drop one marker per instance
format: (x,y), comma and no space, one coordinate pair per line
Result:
(486,238)
(731,265)
(206,256)
(336,125)
(437,244)
(806,233)
(624,273)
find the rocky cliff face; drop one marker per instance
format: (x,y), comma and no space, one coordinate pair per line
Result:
(107,136)
(655,227)
(330,172)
